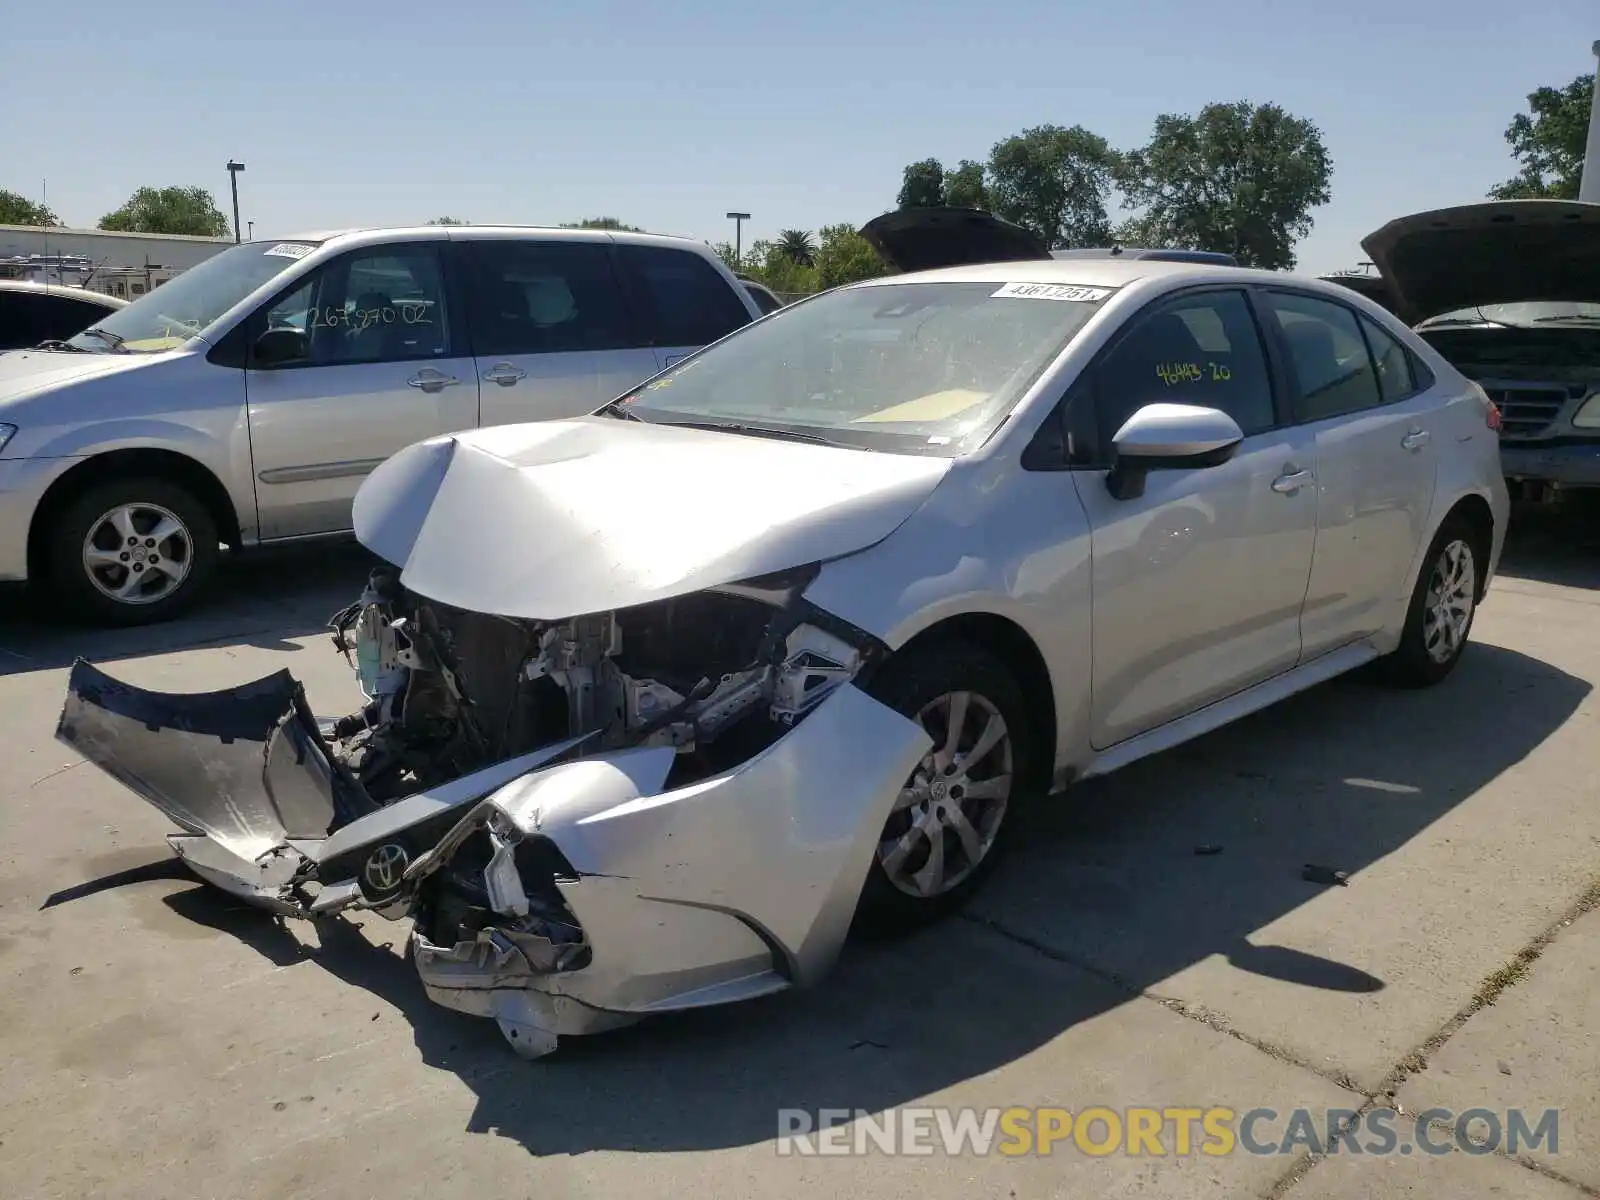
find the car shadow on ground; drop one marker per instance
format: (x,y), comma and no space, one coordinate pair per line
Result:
(1557,544)
(1105,898)
(262,598)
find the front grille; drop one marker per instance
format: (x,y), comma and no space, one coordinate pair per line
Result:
(1527,412)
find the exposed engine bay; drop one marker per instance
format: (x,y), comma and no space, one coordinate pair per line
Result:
(714,675)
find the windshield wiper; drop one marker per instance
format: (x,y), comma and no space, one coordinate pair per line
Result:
(1445,322)
(1584,317)
(106,336)
(54,344)
(789,435)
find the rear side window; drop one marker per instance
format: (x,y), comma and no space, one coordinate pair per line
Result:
(682,297)
(1395,380)
(544,298)
(26,319)
(1332,369)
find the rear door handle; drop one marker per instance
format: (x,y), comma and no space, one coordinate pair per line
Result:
(673,360)
(1415,440)
(505,374)
(431,381)
(1291,482)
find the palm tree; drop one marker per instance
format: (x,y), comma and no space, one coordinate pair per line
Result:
(797,246)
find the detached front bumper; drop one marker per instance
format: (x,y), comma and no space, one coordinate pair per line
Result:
(1575,465)
(731,887)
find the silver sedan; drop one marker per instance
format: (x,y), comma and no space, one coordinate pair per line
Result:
(660,701)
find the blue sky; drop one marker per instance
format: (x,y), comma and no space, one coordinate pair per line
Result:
(670,115)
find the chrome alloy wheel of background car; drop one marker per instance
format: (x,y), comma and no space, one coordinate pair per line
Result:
(946,817)
(1452,592)
(138,553)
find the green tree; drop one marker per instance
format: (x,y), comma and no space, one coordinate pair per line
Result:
(1237,178)
(797,246)
(770,263)
(447,221)
(922,185)
(1549,141)
(1055,182)
(16,209)
(190,210)
(844,256)
(602,223)
(965,187)
(724,251)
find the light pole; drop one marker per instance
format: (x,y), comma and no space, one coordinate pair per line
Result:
(250,228)
(233,181)
(1589,181)
(738,220)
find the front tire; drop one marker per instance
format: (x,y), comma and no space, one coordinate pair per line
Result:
(952,819)
(1444,603)
(130,552)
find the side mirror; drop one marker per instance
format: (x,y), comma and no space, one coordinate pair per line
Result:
(278,347)
(1169,437)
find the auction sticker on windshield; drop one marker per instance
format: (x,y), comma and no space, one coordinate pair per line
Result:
(1053,291)
(290,250)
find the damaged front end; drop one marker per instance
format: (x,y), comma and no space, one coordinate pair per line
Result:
(589,820)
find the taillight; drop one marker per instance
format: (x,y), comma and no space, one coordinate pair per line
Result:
(1491,415)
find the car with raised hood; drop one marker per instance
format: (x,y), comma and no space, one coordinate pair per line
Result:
(1508,291)
(660,702)
(243,402)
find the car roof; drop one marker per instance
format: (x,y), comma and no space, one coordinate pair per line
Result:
(495,231)
(33,287)
(1121,272)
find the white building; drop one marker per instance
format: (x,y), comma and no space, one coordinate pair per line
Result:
(120,264)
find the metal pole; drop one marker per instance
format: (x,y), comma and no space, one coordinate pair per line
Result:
(1589,181)
(233,179)
(738,220)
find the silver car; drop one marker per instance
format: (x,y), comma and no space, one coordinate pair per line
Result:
(244,402)
(660,701)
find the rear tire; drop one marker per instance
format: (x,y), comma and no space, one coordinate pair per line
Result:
(1444,603)
(953,820)
(130,552)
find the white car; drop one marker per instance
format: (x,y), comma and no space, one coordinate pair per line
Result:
(244,402)
(659,700)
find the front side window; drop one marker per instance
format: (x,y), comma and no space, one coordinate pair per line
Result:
(1395,381)
(683,297)
(380,305)
(166,317)
(1332,369)
(1201,349)
(543,298)
(917,368)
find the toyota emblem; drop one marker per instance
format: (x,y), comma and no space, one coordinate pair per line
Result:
(386,867)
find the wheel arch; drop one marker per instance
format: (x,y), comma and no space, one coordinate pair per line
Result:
(1017,651)
(1473,511)
(168,465)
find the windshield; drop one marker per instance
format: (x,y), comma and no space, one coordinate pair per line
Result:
(923,368)
(1535,312)
(167,316)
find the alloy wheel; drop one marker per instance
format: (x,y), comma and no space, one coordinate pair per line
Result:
(1448,608)
(138,553)
(947,815)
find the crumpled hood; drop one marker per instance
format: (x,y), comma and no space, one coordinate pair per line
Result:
(1499,252)
(27,372)
(924,239)
(556,519)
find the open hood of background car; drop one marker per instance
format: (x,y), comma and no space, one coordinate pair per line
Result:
(556,519)
(924,239)
(1498,252)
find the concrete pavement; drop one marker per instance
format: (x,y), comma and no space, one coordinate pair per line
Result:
(159,1040)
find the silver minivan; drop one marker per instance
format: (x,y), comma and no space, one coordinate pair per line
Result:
(245,401)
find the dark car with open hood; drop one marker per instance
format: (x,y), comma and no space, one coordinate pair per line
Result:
(1509,292)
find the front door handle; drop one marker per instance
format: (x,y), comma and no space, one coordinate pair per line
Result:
(505,374)
(1415,440)
(1291,482)
(432,381)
